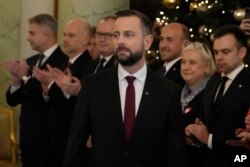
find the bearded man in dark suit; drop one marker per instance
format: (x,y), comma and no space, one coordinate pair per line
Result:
(132,114)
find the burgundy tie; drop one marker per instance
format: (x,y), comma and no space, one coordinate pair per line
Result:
(69,66)
(129,111)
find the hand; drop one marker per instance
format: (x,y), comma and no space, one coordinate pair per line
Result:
(239,130)
(247,122)
(55,72)
(245,26)
(245,136)
(72,88)
(198,130)
(64,78)
(45,77)
(17,70)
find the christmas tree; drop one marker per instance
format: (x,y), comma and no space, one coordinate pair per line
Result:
(202,17)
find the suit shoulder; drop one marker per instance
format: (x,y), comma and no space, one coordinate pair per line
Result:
(161,81)
(102,75)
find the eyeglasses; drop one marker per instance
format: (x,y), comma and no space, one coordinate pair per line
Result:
(105,35)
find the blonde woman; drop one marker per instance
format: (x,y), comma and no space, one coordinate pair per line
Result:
(197,65)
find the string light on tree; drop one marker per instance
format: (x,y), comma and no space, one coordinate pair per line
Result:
(193,6)
(202,6)
(202,17)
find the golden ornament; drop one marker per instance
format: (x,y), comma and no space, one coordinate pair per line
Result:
(239,14)
(170,4)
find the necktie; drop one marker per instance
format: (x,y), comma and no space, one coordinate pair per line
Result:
(163,71)
(40,60)
(129,111)
(100,65)
(69,66)
(221,91)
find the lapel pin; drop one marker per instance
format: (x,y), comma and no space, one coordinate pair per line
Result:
(174,69)
(240,86)
(187,110)
(146,93)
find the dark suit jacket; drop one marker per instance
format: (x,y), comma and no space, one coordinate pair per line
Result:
(194,154)
(61,110)
(95,62)
(195,112)
(157,138)
(174,74)
(226,118)
(34,111)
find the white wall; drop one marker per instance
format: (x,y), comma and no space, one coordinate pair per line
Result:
(30,8)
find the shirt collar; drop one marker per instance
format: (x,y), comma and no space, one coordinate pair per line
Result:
(140,75)
(49,51)
(232,75)
(168,65)
(72,60)
(107,58)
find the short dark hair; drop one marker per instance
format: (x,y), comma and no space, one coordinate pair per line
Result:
(45,20)
(233,30)
(145,21)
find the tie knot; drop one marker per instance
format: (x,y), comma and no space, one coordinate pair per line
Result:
(102,60)
(69,65)
(40,59)
(130,79)
(224,79)
(41,56)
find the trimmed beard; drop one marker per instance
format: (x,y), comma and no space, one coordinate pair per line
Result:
(128,60)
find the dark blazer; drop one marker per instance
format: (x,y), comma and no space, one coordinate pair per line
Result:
(194,154)
(226,118)
(174,74)
(61,111)
(157,137)
(34,111)
(110,63)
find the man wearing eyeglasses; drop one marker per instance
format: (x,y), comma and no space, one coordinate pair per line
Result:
(104,42)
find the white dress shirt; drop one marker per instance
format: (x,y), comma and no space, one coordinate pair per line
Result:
(138,84)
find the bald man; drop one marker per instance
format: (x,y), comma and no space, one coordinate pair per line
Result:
(173,38)
(62,91)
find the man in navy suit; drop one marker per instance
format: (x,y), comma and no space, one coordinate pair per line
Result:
(173,38)
(63,90)
(146,131)
(223,113)
(26,90)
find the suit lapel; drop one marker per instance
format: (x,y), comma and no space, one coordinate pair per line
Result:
(210,94)
(56,57)
(172,71)
(114,97)
(233,91)
(110,63)
(146,100)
